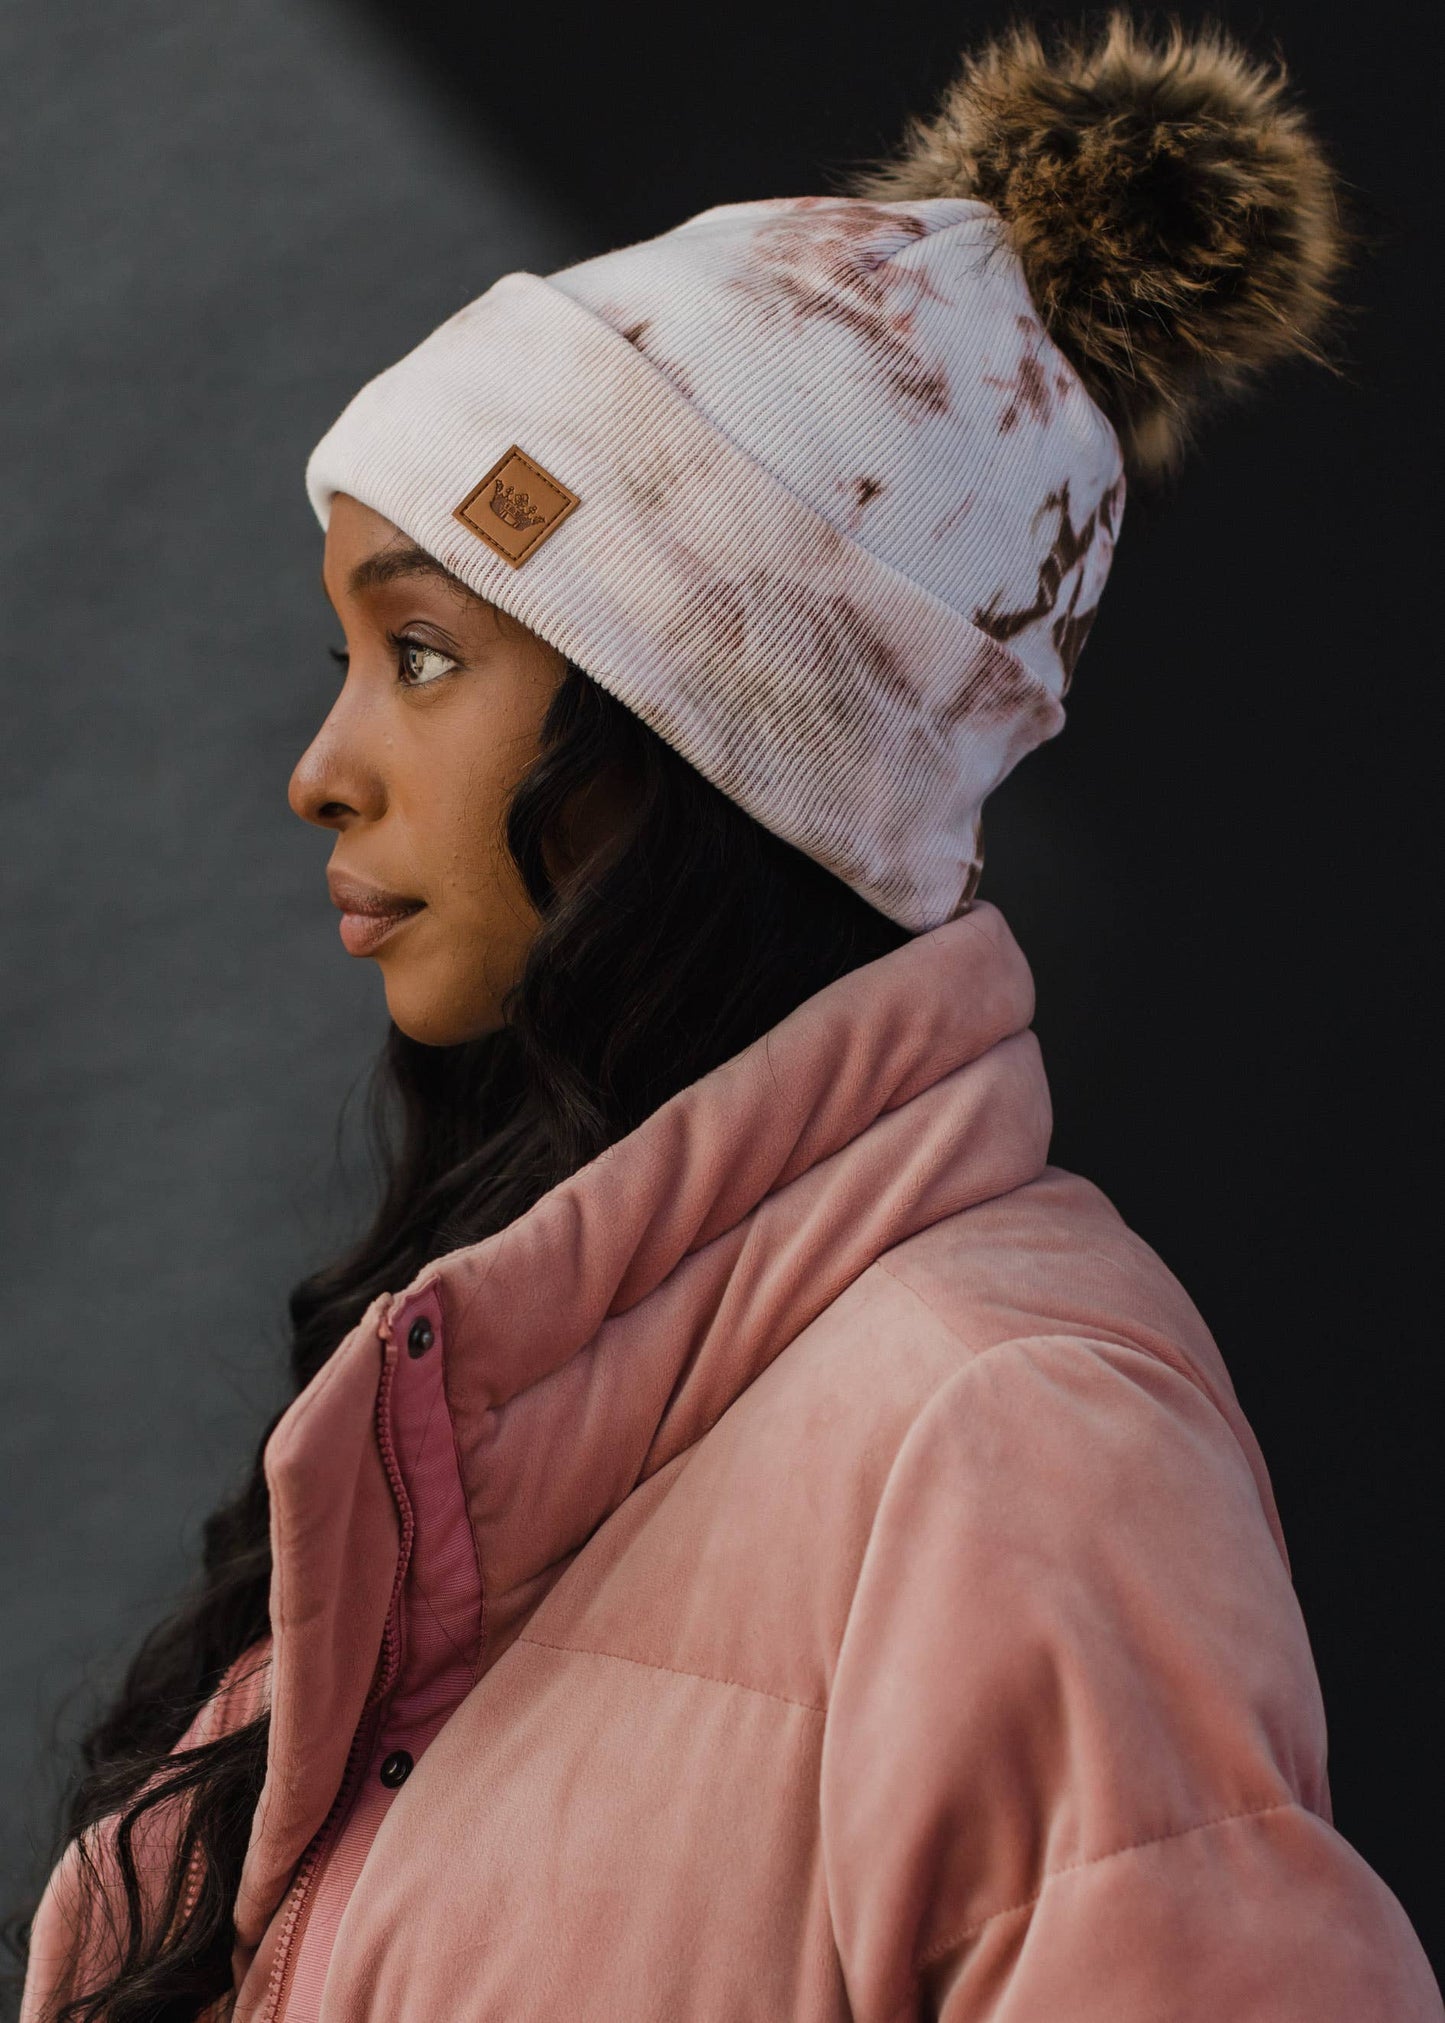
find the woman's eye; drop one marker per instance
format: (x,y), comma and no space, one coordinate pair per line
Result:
(421,663)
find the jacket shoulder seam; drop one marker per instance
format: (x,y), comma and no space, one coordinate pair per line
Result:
(678,1671)
(977,1925)
(1178,1362)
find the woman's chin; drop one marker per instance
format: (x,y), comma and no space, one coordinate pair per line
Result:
(434,1015)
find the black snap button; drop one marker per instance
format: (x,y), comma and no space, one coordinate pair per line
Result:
(419,1336)
(396,1769)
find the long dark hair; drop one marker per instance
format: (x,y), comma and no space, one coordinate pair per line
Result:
(677,942)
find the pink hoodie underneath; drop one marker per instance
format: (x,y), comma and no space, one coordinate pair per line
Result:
(818,1569)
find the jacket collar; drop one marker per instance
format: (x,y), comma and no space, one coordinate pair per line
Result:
(607,1329)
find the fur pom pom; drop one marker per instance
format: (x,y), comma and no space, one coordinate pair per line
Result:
(1177,222)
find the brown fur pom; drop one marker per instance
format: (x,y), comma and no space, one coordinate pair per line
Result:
(1177,223)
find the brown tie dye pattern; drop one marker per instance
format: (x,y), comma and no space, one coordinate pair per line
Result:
(1069,548)
(1029,391)
(822,261)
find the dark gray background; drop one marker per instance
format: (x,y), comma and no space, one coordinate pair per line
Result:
(217,223)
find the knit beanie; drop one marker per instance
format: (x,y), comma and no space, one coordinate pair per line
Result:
(825,489)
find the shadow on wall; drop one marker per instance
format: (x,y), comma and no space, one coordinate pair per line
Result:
(638,119)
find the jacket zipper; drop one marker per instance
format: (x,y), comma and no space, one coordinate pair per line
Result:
(308,1870)
(388,1665)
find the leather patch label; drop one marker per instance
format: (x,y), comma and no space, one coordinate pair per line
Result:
(515,506)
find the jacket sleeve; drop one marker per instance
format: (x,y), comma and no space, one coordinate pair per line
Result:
(1073,1763)
(73,1938)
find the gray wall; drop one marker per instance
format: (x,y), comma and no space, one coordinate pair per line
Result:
(217,222)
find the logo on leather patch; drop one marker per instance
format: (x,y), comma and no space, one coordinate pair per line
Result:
(516,506)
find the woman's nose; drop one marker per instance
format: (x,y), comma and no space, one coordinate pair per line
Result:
(334,783)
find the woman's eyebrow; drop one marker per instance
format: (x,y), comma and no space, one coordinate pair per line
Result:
(387,564)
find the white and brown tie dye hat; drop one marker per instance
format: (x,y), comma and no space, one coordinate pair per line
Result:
(825,489)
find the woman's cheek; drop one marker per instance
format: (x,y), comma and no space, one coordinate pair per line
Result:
(446,982)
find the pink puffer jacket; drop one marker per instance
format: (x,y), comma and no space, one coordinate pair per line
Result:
(812,1566)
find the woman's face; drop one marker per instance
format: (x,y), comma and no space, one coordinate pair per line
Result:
(439,716)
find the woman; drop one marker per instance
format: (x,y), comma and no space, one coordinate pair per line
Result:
(752,1539)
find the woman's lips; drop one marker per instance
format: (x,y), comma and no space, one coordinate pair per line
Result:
(363,933)
(370,915)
